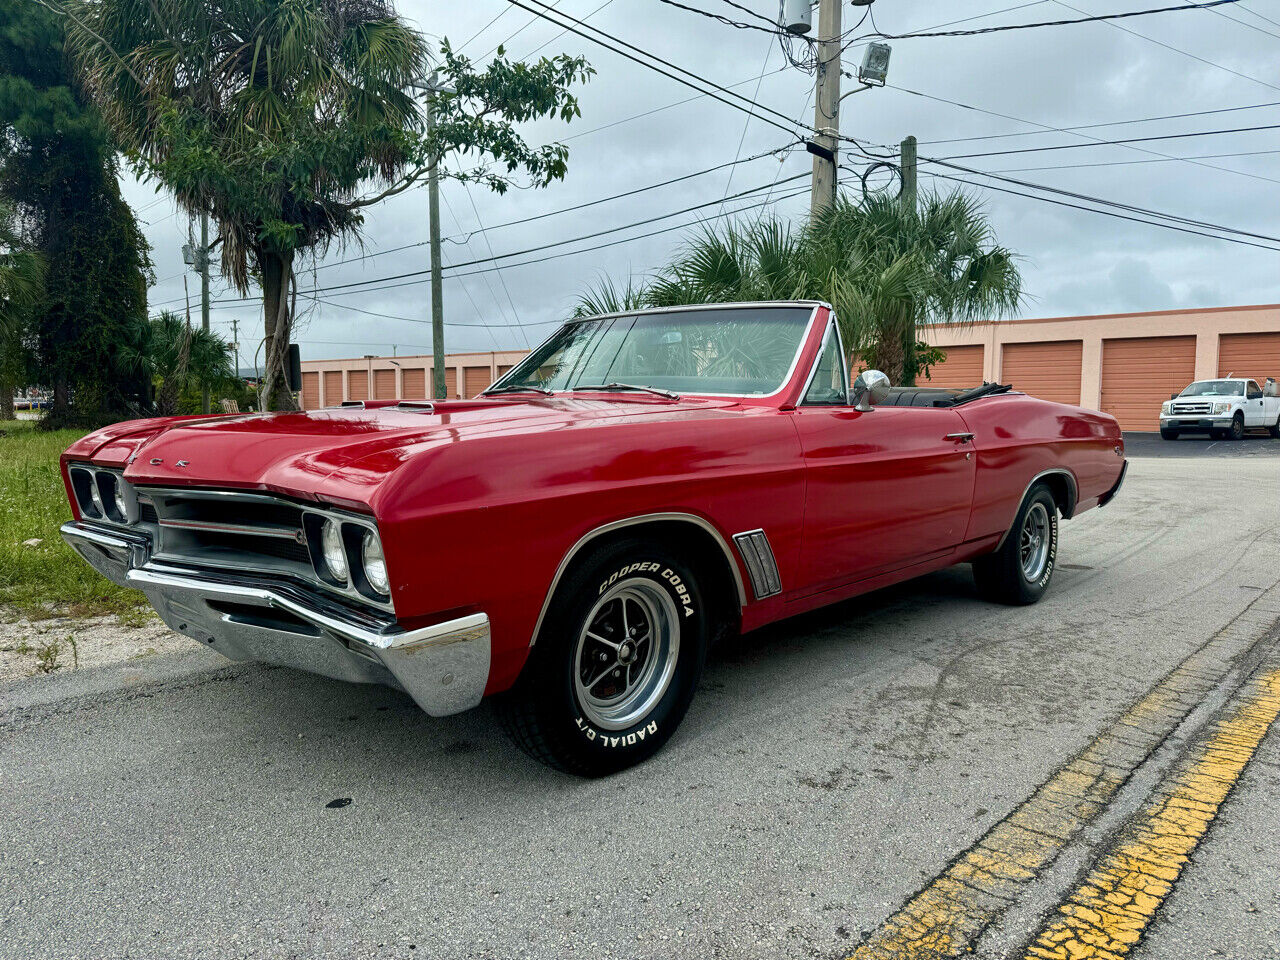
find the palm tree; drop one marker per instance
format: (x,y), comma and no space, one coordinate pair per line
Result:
(176,357)
(885,268)
(888,269)
(285,119)
(22,274)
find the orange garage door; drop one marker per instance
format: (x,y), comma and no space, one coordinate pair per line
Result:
(476,379)
(415,384)
(450,382)
(962,368)
(1255,355)
(1139,374)
(1050,371)
(384,384)
(332,388)
(310,391)
(358,384)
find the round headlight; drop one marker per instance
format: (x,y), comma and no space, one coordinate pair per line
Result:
(96,496)
(122,508)
(335,554)
(375,567)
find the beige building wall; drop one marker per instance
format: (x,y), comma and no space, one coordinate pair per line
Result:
(368,368)
(1207,326)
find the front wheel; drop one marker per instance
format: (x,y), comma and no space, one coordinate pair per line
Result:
(1019,572)
(1237,428)
(1274,429)
(616,662)
(1168,434)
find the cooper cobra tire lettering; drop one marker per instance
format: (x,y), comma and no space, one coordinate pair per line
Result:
(1053,552)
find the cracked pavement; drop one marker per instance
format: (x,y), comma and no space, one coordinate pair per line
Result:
(830,770)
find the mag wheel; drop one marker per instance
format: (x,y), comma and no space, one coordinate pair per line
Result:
(615,664)
(1237,428)
(1020,570)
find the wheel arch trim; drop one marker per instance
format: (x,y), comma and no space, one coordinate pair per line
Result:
(615,525)
(1073,497)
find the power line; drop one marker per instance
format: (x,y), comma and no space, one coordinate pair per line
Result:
(1179,50)
(559,210)
(1106,213)
(1071,129)
(547,43)
(1250,26)
(773,29)
(1108,143)
(1106,17)
(1128,163)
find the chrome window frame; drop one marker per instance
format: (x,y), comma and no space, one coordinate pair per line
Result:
(817,362)
(816,305)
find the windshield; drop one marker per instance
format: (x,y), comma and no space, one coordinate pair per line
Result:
(746,351)
(1214,388)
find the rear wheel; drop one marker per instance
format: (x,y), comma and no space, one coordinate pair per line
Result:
(615,664)
(1168,434)
(1019,572)
(1237,428)
(1274,429)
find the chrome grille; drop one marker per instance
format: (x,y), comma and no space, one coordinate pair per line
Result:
(247,533)
(1196,407)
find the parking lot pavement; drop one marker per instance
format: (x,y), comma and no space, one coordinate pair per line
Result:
(1199,445)
(911,774)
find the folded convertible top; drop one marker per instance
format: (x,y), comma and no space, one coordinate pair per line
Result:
(942,396)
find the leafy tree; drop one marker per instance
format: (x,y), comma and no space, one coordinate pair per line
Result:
(57,170)
(177,358)
(22,274)
(884,267)
(285,119)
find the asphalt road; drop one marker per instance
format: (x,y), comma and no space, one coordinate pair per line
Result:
(832,776)
(1254,444)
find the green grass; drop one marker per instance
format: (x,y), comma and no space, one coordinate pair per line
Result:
(50,579)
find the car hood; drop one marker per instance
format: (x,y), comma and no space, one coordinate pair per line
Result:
(1208,396)
(342,453)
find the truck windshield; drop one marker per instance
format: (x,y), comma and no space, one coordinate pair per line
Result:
(743,351)
(1214,388)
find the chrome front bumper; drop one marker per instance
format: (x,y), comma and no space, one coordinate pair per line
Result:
(444,667)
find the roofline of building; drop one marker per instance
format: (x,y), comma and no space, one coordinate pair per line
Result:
(1182,311)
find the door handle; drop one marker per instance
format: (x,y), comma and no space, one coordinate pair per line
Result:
(959,437)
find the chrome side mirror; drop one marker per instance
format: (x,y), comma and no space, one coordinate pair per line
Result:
(869,388)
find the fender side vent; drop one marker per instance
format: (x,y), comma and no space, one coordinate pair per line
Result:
(758,556)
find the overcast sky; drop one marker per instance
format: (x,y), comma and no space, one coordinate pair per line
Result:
(1074,262)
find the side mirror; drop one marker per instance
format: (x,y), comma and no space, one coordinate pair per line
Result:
(1173,396)
(293,368)
(869,388)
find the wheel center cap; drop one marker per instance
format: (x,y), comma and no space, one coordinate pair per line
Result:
(625,653)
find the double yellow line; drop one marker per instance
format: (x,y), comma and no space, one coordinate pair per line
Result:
(1104,917)
(948,916)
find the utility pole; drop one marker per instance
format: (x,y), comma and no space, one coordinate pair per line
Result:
(826,109)
(205,402)
(437,294)
(907,160)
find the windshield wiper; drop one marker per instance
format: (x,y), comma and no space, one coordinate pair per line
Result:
(609,387)
(517,388)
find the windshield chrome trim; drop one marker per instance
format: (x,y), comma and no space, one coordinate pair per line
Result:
(817,361)
(816,305)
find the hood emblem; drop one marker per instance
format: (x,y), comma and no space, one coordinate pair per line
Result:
(156,461)
(183,463)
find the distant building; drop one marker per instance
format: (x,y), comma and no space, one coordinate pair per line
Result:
(1123,363)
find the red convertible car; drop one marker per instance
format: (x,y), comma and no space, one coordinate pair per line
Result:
(573,540)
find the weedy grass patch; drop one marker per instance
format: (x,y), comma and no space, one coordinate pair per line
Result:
(48,578)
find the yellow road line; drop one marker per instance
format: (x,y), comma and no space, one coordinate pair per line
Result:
(1104,917)
(948,916)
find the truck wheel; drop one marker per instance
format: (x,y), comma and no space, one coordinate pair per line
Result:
(1274,429)
(615,663)
(1237,428)
(1019,572)
(1168,434)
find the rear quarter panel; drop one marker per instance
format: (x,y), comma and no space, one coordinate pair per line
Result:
(1017,437)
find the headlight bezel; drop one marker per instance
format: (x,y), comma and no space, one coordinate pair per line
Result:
(374,568)
(1166,408)
(103,495)
(1222,407)
(354,530)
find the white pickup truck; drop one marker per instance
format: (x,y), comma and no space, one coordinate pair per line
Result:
(1226,407)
